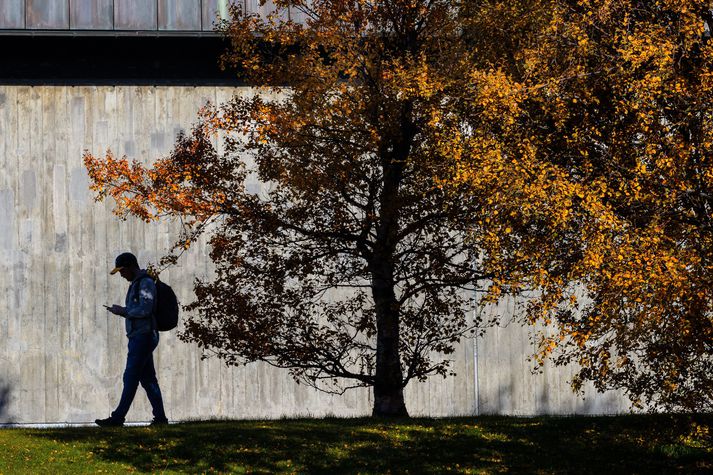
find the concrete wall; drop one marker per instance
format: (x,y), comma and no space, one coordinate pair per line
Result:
(62,355)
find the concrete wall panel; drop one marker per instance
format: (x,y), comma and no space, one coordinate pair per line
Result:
(135,15)
(12,14)
(48,14)
(91,14)
(63,354)
(179,15)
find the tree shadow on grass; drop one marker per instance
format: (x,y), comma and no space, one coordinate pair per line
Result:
(489,444)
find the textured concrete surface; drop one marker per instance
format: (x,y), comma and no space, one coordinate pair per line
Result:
(62,354)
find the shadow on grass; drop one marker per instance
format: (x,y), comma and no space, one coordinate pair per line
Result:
(634,444)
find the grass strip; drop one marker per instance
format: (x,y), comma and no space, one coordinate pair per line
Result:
(621,444)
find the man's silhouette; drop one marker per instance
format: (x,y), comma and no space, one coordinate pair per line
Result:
(141,330)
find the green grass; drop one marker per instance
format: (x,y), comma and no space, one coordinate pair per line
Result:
(627,444)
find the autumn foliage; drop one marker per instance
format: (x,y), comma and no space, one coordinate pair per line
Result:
(605,189)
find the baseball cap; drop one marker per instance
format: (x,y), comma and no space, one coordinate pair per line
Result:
(126,259)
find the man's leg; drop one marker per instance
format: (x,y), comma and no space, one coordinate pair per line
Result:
(150,384)
(140,347)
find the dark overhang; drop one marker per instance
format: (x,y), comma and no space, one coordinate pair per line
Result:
(113,60)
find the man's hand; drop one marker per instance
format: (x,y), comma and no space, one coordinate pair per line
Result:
(117,310)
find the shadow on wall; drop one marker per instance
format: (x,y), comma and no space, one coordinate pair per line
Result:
(542,401)
(4,402)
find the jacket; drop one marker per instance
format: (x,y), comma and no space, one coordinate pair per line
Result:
(140,305)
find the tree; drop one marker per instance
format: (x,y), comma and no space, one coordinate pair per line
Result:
(352,266)
(614,127)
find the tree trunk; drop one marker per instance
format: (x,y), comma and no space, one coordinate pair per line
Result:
(388,380)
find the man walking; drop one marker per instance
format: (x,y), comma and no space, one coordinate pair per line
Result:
(139,311)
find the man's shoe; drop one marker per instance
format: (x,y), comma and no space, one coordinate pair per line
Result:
(159,422)
(109,422)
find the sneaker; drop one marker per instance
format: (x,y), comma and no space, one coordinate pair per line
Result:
(108,422)
(159,422)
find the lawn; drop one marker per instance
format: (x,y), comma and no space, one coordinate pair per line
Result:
(625,444)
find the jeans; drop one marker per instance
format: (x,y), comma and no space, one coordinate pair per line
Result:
(140,369)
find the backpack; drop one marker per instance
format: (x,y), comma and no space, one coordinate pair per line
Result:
(166,306)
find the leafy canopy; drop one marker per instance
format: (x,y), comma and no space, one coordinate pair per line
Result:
(608,179)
